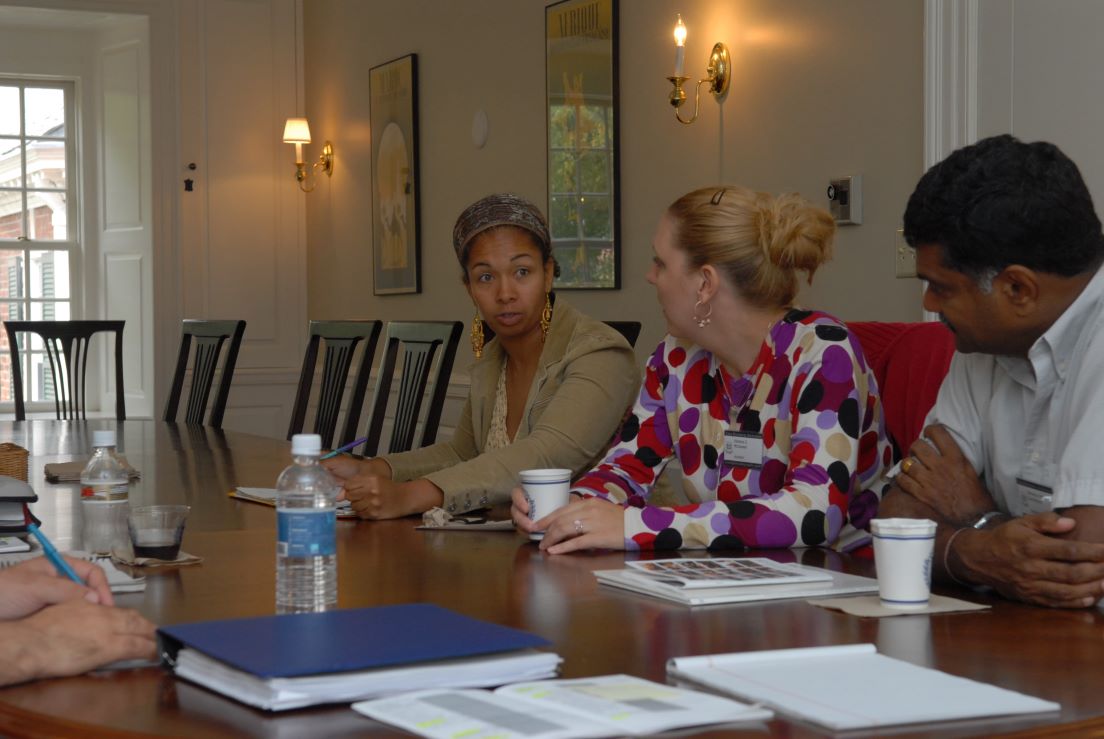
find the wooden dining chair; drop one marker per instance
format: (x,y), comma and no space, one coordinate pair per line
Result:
(629,329)
(340,340)
(420,341)
(209,337)
(66,347)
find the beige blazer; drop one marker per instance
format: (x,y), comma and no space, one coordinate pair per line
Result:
(586,380)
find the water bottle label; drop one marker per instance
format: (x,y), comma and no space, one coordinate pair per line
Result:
(105,491)
(306,532)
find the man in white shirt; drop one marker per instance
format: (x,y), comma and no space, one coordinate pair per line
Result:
(1011,465)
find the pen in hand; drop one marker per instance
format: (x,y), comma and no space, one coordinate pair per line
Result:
(342,449)
(51,553)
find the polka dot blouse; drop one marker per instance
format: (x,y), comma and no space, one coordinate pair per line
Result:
(811,399)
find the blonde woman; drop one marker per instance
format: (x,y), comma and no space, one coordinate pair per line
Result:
(769,408)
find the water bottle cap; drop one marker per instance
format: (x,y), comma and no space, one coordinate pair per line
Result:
(103,437)
(306,445)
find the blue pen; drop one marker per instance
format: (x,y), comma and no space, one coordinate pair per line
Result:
(342,449)
(56,559)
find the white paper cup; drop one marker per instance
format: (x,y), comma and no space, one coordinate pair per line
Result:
(545,490)
(903,557)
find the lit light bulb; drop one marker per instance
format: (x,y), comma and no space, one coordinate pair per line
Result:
(680,32)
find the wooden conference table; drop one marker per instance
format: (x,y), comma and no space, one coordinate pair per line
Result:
(497,576)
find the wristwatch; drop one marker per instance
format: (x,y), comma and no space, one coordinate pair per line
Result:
(983,522)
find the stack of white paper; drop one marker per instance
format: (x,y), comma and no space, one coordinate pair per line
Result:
(852,687)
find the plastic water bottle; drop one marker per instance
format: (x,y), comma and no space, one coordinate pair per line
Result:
(306,526)
(105,476)
(105,498)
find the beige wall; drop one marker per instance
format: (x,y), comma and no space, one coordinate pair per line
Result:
(819,90)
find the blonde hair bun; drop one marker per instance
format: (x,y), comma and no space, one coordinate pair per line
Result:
(757,240)
(795,234)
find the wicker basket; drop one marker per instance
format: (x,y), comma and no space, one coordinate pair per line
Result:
(13,461)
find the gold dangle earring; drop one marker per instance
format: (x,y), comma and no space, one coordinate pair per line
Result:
(477,335)
(546,316)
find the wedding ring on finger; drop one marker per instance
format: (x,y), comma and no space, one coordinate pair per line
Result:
(907,464)
(578,527)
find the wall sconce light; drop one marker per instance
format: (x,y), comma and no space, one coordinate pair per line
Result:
(719,71)
(296,131)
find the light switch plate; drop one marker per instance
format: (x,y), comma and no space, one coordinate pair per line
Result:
(904,257)
(845,199)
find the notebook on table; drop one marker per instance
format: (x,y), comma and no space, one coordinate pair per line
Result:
(15,496)
(852,687)
(267,496)
(295,660)
(117,580)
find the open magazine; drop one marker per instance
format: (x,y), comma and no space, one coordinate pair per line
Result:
(725,573)
(763,580)
(611,705)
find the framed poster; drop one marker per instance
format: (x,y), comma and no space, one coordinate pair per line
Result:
(584,199)
(396,237)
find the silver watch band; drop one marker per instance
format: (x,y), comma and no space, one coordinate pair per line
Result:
(982,522)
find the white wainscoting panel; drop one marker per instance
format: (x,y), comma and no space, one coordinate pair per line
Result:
(124,277)
(121,134)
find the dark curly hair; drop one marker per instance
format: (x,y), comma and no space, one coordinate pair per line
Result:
(1002,201)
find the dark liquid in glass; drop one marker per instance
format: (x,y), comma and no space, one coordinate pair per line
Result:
(157,551)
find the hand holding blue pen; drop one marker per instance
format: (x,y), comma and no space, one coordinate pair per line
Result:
(51,553)
(342,449)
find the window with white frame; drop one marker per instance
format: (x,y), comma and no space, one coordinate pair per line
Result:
(38,233)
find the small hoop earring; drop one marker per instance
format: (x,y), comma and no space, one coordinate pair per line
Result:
(705,320)
(477,335)
(546,316)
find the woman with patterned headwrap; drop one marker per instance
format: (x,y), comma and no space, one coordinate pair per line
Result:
(770,409)
(547,392)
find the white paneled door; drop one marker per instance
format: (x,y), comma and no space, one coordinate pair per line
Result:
(242,223)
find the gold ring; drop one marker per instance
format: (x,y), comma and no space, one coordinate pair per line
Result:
(907,464)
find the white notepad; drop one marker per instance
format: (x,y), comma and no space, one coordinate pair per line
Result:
(852,687)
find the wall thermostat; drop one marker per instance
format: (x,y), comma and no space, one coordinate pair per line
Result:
(845,199)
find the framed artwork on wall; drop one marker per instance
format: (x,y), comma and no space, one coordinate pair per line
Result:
(584,199)
(396,236)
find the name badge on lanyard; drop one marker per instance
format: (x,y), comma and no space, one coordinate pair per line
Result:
(743,449)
